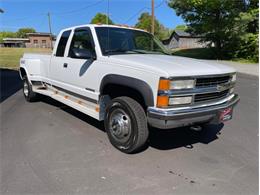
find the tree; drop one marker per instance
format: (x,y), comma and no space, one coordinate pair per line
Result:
(221,22)
(145,22)
(181,27)
(21,33)
(100,18)
(6,34)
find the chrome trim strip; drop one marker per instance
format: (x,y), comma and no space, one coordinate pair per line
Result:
(159,112)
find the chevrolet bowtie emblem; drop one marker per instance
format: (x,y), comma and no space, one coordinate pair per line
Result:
(222,87)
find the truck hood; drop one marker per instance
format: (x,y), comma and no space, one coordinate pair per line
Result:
(170,65)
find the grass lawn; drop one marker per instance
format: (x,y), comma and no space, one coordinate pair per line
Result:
(204,53)
(10,57)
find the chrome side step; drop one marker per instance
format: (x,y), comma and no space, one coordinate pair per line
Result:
(87,107)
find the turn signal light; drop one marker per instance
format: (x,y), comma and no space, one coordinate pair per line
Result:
(164,84)
(162,101)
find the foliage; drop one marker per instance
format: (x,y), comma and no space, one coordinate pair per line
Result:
(100,18)
(181,27)
(145,22)
(21,33)
(198,53)
(230,25)
(5,34)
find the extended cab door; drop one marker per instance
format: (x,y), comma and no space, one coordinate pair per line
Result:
(79,60)
(58,65)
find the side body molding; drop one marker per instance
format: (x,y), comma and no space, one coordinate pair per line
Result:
(141,86)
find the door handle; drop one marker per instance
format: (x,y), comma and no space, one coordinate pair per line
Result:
(65,65)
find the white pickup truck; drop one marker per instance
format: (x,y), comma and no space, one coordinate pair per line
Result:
(125,77)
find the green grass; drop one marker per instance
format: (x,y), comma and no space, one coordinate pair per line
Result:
(207,54)
(10,57)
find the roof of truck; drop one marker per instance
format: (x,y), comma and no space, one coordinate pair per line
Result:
(106,25)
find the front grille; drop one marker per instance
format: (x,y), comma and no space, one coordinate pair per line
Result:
(210,96)
(211,81)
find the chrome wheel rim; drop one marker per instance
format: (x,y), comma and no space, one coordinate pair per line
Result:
(120,125)
(25,89)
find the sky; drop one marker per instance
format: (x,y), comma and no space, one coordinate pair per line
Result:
(67,13)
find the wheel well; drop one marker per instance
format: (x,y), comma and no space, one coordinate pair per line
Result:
(22,73)
(116,90)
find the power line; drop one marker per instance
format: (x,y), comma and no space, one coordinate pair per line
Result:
(137,13)
(78,10)
(142,9)
(26,18)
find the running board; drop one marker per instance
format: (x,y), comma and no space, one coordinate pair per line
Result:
(82,105)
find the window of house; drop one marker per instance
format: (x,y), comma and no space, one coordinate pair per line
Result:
(62,43)
(35,41)
(43,41)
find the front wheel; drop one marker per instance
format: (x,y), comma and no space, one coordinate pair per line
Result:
(126,124)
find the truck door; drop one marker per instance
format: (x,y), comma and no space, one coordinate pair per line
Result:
(80,61)
(58,63)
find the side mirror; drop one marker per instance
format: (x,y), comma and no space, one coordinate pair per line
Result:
(82,54)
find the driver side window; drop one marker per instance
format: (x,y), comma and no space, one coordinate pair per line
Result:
(82,40)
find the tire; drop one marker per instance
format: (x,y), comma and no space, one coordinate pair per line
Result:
(28,93)
(126,125)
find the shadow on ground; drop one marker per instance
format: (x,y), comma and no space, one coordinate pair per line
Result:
(10,83)
(159,139)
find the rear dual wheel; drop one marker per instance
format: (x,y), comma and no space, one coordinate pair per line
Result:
(28,93)
(126,124)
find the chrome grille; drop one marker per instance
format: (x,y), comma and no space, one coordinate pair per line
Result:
(210,96)
(212,81)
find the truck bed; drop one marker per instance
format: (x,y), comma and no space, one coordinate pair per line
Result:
(37,63)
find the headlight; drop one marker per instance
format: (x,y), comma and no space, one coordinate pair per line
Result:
(234,78)
(180,100)
(182,84)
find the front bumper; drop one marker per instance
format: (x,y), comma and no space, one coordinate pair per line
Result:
(179,117)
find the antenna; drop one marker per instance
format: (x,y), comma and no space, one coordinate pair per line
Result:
(107,11)
(152,30)
(108,45)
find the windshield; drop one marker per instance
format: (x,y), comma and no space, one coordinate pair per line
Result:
(115,41)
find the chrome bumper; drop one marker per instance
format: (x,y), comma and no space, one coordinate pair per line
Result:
(185,116)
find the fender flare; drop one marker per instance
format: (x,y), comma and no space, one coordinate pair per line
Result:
(20,72)
(141,86)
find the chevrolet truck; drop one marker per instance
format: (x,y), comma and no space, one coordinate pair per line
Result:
(126,78)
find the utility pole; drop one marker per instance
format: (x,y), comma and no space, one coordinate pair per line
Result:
(152,27)
(49,19)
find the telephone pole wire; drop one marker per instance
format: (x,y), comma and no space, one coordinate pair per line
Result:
(152,27)
(49,19)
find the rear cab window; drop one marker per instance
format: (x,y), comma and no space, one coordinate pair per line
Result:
(62,43)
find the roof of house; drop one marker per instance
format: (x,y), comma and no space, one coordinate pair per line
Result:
(39,34)
(15,39)
(180,34)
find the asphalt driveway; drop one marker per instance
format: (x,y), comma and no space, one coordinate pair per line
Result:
(47,147)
